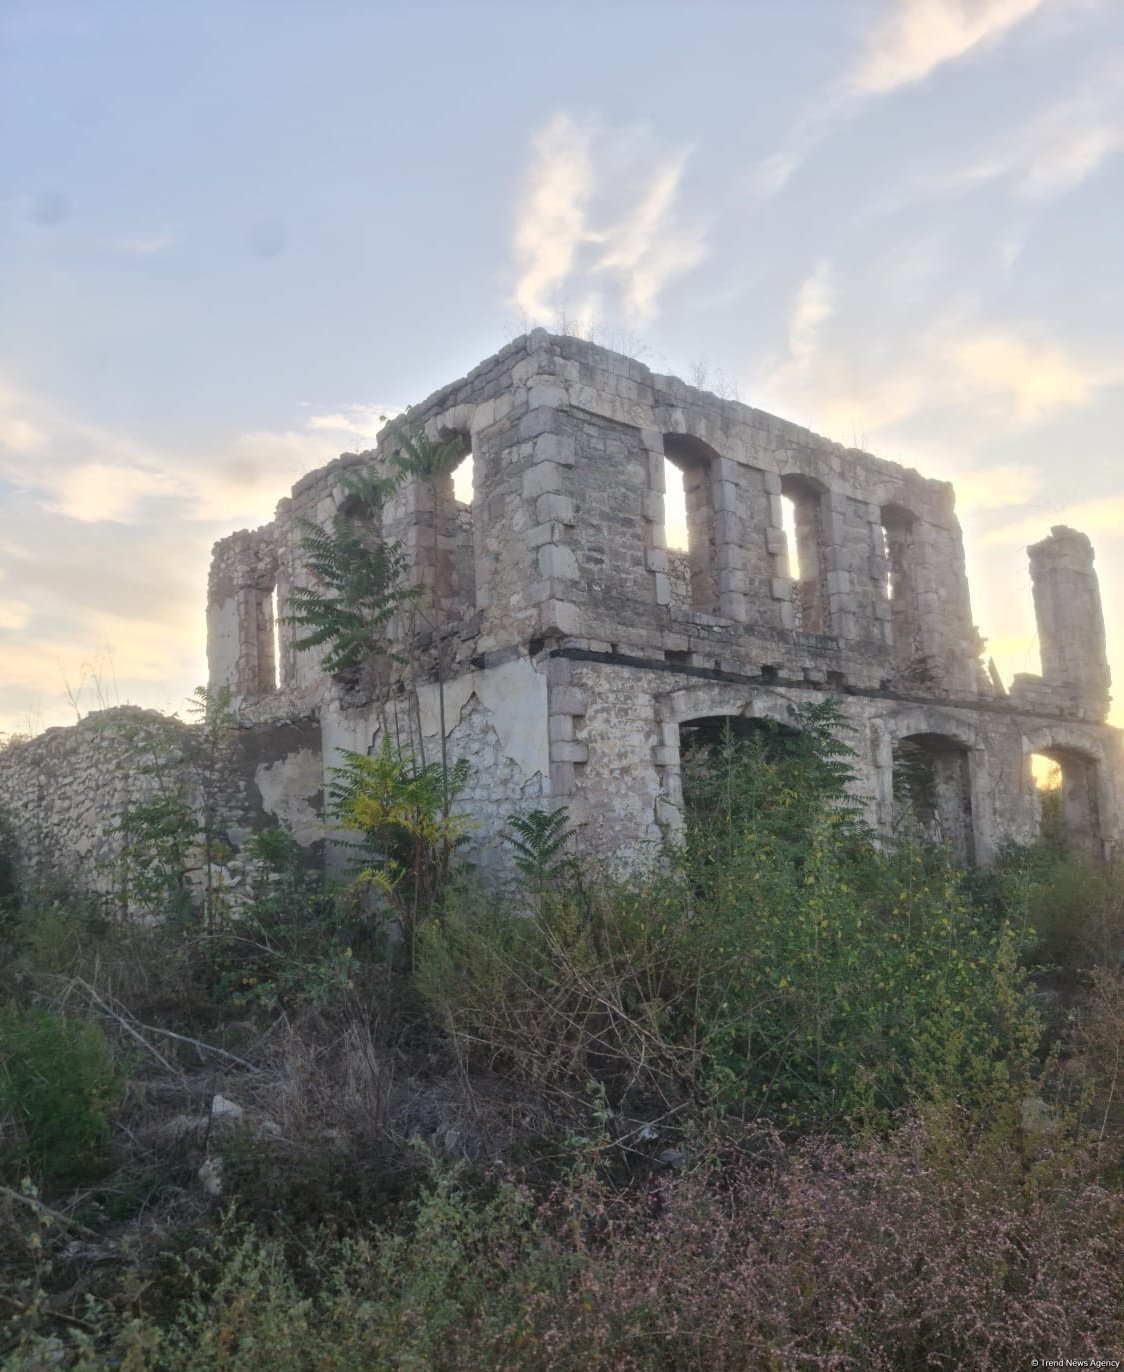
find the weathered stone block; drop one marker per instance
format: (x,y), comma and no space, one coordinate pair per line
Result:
(558,562)
(560,728)
(538,422)
(568,700)
(554,506)
(543,477)
(569,752)
(560,616)
(546,395)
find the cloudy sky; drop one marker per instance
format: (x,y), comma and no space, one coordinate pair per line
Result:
(233,233)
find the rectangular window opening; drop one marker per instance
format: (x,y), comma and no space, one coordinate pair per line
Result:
(453,571)
(463,477)
(275,632)
(788,523)
(889,564)
(675,508)
(676,536)
(801,519)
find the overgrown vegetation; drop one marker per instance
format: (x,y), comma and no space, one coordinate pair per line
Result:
(784,966)
(402,811)
(358,582)
(58,1084)
(796,1101)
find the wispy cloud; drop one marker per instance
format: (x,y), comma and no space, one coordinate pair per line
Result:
(105,540)
(853,382)
(1055,151)
(92,474)
(356,421)
(914,39)
(598,224)
(812,309)
(645,249)
(822,376)
(551,224)
(1103,516)
(95,492)
(918,36)
(15,613)
(1028,378)
(995,488)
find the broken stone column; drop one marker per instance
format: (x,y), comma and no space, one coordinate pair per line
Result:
(1067,606)
(241,650)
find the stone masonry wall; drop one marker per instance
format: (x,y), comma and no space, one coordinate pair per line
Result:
(566,646)
(63,792)
(566,536)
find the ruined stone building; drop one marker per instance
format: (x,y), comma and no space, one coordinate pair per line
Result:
(566,653)
(570,657)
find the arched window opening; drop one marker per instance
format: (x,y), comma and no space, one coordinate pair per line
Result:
(898,549)
(933,791)
(802,512)
(462,480)
(452,575)
(792,547)
(691,464)
(463,495)
(1065,792)
(676,538)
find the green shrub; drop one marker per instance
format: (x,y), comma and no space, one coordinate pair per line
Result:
(1077,911)
(55,933)
(783,964)
(291,944)
(401,808)
(58,1085)
(591,983)
(155,838)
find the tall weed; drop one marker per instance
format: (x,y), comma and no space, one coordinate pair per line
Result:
(59,1083)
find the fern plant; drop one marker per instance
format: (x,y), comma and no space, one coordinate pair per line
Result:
(538,841)
(421,457)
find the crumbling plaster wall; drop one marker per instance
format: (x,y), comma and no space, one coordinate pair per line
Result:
(495,718)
